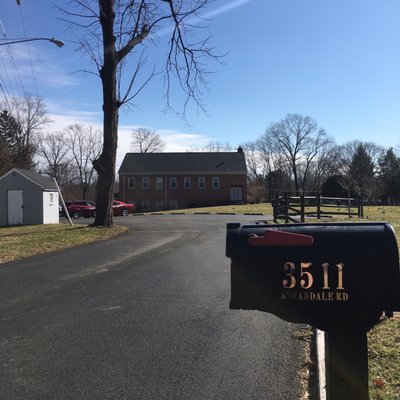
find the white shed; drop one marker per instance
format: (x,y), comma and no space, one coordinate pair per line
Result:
(28,198)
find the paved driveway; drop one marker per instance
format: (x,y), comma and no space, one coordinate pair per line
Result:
(141,316)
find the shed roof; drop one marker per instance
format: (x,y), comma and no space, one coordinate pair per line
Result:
(44,182)
(208,162)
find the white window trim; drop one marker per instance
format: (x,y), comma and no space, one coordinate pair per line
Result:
(173,179)
(187,179)
(215,178)
(131,179)
(144,179)
(159,183)
(201,179)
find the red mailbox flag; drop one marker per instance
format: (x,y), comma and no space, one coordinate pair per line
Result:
(274,237)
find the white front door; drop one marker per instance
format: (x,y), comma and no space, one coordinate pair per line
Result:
(236,193)
(15,202)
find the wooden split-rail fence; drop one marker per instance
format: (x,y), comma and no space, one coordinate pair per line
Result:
(292,208)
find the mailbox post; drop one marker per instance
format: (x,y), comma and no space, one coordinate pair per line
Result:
(346,366)
(337,277)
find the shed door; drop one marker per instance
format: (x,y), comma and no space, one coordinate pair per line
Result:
(236,193)
(15,201)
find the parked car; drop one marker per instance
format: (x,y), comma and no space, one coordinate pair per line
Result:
(81,208)
(121,208)
(87,208)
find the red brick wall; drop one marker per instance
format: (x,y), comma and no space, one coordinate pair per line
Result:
(185,198)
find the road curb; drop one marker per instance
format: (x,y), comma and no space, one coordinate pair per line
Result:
(320,344)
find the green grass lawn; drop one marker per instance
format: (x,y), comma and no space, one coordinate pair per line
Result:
(384,360)
(262,208)
(25,241)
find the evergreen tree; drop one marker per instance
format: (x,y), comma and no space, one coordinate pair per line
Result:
(333,187)
(5,162)
(390,177)
(361,172)
(16,152)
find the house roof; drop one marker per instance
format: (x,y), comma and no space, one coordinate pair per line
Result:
(209,162)
(44,182)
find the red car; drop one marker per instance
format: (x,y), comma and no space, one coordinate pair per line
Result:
(78,208)
(121,208)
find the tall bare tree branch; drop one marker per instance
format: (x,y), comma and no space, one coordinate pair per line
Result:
(114,29)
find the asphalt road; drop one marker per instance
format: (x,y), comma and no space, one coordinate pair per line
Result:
(142,316)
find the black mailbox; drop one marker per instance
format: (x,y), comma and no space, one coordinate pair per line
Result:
(333,276)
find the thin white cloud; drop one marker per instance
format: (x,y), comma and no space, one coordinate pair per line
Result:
(225,8)
(207,15)
(62,119)
(29,65)
(180,141)
(53,76)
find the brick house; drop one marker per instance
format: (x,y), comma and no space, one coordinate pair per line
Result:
(169,181)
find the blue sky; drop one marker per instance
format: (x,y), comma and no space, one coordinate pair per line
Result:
(337,61)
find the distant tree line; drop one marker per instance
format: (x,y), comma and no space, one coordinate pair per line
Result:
(296,155)
(292,155)
(21,120)
(67,155)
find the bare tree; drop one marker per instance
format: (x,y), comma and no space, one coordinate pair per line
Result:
(359,156)
(146,140)
(256,174)
(299,140)
(313,159)
(84,144)
(216,147)
(116,29)
(325,165)
(54,149)
(266,166)
(255,167)
(211,147)
(22,119)
(30,112)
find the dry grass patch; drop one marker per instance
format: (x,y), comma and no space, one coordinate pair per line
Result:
(25,241)
(262,208)
(390,214)
(384,360)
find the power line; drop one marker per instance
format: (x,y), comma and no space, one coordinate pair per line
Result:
(9,87)
(27,46)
